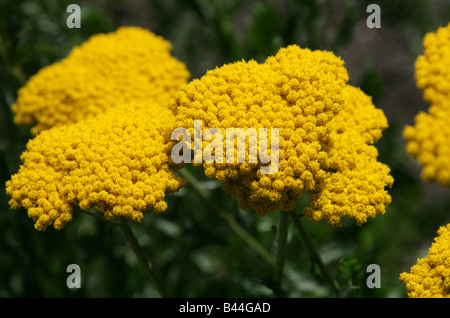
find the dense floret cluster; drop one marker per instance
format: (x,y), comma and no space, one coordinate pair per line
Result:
(116,162)
(304,94)
(430,277)
(427,140)
(354,185)
(127,65)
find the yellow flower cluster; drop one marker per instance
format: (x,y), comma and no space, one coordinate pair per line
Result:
(300,92)
(427,140)
(124,66)
(430,277)
(355,181)
(117,162)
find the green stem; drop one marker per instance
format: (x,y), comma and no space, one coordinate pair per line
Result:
(282,242)
(235,226)
(136,247)
(315,254)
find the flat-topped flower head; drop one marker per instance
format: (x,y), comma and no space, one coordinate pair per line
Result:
(297,93)
(116,162)
(430,277)
(124,66)
(427,140)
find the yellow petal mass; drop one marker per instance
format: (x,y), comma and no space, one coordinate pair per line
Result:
(304,94)
(116,162)
(355,182)
(124,66)
(430,277)
(427,140)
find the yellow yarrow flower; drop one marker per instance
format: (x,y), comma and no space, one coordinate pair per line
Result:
(116,162)
(124,66)
(301,93)
(355,181)
(430,277)
(427,140)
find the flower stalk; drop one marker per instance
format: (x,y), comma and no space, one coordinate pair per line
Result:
(137,249)
(236,227)
(315,254)
(282,242)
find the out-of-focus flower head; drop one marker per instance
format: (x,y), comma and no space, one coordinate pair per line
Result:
(427,140)
(116,162)
(124,66)
(326,130)
(430,277)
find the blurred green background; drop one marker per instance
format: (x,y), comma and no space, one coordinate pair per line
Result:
(195,251)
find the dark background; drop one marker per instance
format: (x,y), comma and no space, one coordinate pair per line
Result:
(195,251)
